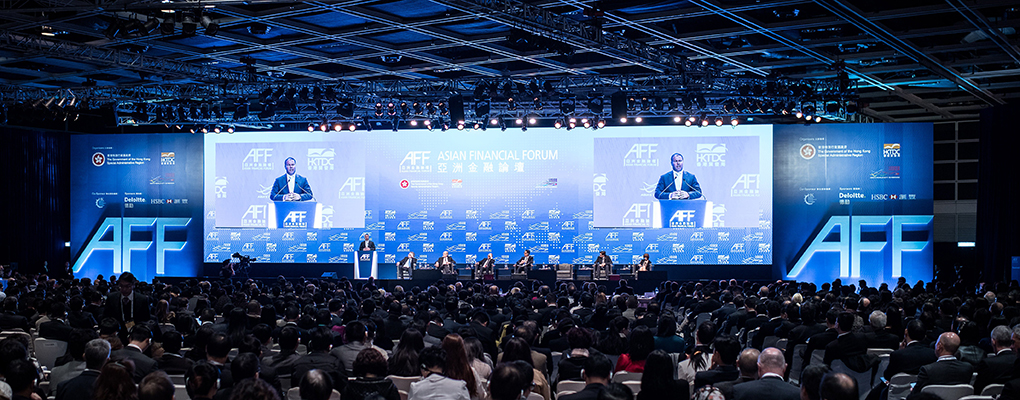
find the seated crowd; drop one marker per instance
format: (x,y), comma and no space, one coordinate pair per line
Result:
(351,340)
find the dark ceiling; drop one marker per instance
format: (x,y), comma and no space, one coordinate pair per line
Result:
(915,60)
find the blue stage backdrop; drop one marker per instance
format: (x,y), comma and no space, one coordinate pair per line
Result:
(854,202)
(471,193)
(138,205)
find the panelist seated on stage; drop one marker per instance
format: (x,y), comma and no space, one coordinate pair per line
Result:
(366,243)
(291,186)
(446,265)
(486,266)
(603,264)
(678,184)
(408,263)
(523,265)
(645,264)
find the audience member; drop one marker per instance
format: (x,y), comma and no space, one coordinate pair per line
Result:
(657,381)
(770,384)
(435,385)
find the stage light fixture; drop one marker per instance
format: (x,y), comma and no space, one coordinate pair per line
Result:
(558,124)
(799,115)
(189,27)
(211,27)
(623,120)
(674,104)
(413,122)
(205,129)
(476,126)
(586,123)
(378,110)
(418,108)
(231,129)
(167,27)
(809,109)
(511,104)
(818,119)
(638,119)
(337,127)
(567,106)
(494,121)
(193,129)
(596,104)
(443,109)
(704,122)
(571,124)
(352,127)
(689,121)
(532,120)
(391,109)
(600,123)
(718,121)
(734,121)
(323,126)
(460,125)
(430,108)
(677,119)
(405,111)
(311,127)
(502,124)
(368,124)
(217,128)
(537,104)
(482,108)
(519,121)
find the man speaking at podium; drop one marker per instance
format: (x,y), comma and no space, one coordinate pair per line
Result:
(367,244)
(291,186)
(678,184)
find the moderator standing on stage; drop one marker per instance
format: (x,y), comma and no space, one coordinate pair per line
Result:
(669,188)
(291,186)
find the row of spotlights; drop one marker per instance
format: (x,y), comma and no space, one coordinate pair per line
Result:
(215,129)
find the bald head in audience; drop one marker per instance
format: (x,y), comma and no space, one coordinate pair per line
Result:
(947,345)
(748,363)
(771,360)
(838,386)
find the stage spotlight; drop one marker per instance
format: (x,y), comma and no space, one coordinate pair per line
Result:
(311,127)
(494,121)
(428,124)
(189,27)
(413,122)
(430,108)
(734,121)
(519,121)
(368,124)
(345,109)
(596,105)
(704,122)
(502,124)
(851,107)
(211,27)
(638,119)
(217,129)
(193,129)
(337,127)
(799,115)
(677,119)
(809,109)
(323,127)
(718,121)
(623,120)
(600,123)
(571,124)
(818,119)
(586,123)
(567,106)
(558,124)
(476,126)
(352,127)
(532,120)
(460,125)
(230,129)
(205,129)
(689,121)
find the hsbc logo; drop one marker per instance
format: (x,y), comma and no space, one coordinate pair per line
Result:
(414,161)
(554,237)
(348,247)
(220,187)
(428,247)
(255,216)
(353,188)
(446,214)
(599,185)
(485,248)
(698,259)
(567,248)
(641,155)
(446,237)
(295,219)
(428,225)
(737,248)
(711,154)
(747,185)
(324,247)
(470,236)
(510,247)
(404,247)
(258,159)
(639,214)
(404,225)
(320,159)
(678,247)
(652,248)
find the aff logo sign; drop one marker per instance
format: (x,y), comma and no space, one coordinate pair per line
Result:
(851,244)
(567,248)
(414,161)
(711,154)
(321,159)
(255,216)
(485,248)
(258,159)
(353,188)
(747,185)
(295,219)
(641,155)
(639,214)
(122,243)
(682,219)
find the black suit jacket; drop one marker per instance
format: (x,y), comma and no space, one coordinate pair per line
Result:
(527,261)
(143,364)
(722,373)
(768,328)
(412,266)
(13,321)
(486,265)
(450,267)
(995,369)
(844,348)
(139,305)
(882,339)
(56,329)
(727,387)
(768,388)
(370,244)
(818,342)
(590,392)
(946,372)
(79,387)
(174,364)
(909,359)
(324,361)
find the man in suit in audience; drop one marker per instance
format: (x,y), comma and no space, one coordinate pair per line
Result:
(880,337)
(10,319)
(97,351)
(126,305)
(172,361)
(320,358)
(947,370)
(56,328)
(724,359)
(596,377)
(913,355)
(139,340)
(74,362)
(997,368)
(848,347)
(747,363)
(770,384)
(820,340)
(768,328)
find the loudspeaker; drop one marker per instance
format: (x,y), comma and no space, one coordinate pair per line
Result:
(456,109)
(618,102)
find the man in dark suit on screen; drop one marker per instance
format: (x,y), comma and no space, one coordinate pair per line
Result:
(366,243)
(446,265)
(678,184)
(525,263)
(291,186)
(486,265)
(947,370)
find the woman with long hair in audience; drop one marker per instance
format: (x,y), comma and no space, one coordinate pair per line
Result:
(614,342)
(459,367)
(657,381)
(570,366)
(116,382)
(701,359)
(404,361)
(476,353)
(641,343)
(518,349)
(666,338)
(370,377)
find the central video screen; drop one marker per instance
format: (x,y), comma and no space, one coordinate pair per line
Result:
(309,197)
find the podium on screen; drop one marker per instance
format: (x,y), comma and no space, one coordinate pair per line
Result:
(295,215)
(366,264)
(682,214)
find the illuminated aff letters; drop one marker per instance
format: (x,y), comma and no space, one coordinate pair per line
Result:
(122,245)
(850,246)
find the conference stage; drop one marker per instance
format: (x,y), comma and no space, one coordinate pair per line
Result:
(748,202)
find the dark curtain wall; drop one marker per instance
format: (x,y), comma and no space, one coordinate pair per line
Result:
(998,219)
(36,180)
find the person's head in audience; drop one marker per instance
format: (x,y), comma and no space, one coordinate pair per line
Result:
(289,338)
(116,381)
(771,361)
(156,386)
(126,283)
(616,391)
(140,336)
(433,360)
(172,342)
(947,344)
(914,331)
(748,363)
(97,352)
(355,331)
(320,339)
(705,333)
(1002,338)
(597,369)
(78,339)
(218,347)
(369,363)
(838,386)
(201,379)
(580,338)
(253,389)
(642,342)
(12,349)
(1016,339)
(811,380)
(878,320)
(21,375)
(845,322)
(727,348)
(316,385)
(518,349)
(511,380)
(244,366)
(249,344)
(658,374)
